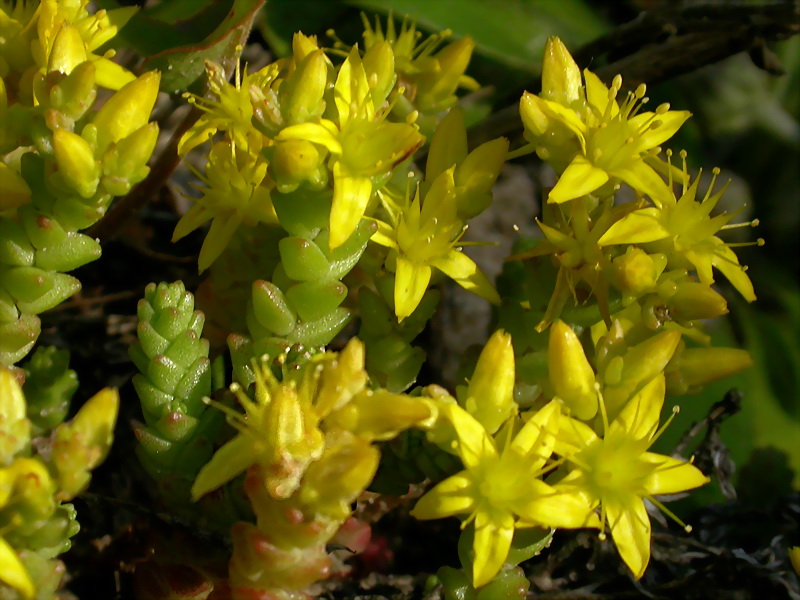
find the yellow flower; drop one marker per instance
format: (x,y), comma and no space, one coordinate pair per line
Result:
(236,192)
(231,111)
(500,490)
(618,473)
(607,141)
(690,229)
(425,235)
(364,146)
(291,424)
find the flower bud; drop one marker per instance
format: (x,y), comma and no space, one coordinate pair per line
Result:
(695,367)
(68,50)
(449,144)
(75,93)
(380,68)
(14,425)
(293,162)
(570,372)
(127,110)
(304,89)
(490,395)
(83,443)
(693,300)
(561,77)
(76,162)
(476,176)
(634,273)
(534,118)
(436,91)
(125,164)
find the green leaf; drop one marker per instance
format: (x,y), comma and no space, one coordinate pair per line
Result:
(181,67)
(178,37)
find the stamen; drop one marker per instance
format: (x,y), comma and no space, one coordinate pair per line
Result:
(753,223)
(685,186)
(675,411)
(669,513)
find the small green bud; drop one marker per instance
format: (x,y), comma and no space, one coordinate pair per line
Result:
(303,260)
(271,309)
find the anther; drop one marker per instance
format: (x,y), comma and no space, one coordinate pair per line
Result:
(662,108)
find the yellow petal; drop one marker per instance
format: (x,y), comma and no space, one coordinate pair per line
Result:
(462,269)
(411,281)
(351,195)
(567,117)
(323,133)
(641,414)
(597,94)
(580,178)
(727,262)
(672,475)
(630,528)
(534,116)
(669,123)
(573,436)
(219,235)
(12,571)
(449,144)
(384,235)
(537,436)
(642,178)
(560,507)
(638,227)
(453,496)
(230,460)
(493,534)
(474,446)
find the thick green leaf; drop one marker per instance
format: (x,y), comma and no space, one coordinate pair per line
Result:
(181,66)
(177,37)
(512,32)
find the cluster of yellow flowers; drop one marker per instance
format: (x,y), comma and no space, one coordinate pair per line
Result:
(36,483)
(318,214)
(579,457)
(62,162)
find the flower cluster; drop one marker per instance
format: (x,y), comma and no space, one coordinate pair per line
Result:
(319,215)
(306,443)
(38,476)
(62,161)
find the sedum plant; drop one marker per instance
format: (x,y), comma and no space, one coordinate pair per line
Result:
(282,393)
(64,160)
